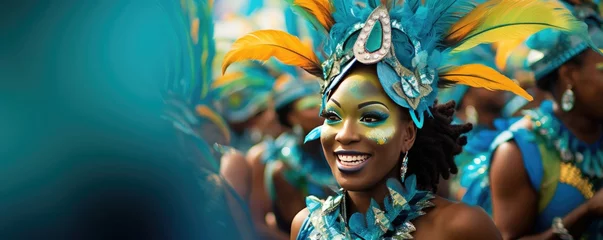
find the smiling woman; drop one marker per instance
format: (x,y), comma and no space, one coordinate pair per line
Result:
(385,139)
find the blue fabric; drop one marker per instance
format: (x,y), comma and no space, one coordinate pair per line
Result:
(305,230)
(565,199)
(474,170)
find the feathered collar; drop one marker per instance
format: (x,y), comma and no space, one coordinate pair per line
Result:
(404,204)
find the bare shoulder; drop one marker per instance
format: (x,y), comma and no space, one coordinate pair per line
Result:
(254,154)
(298,221)
(460,221)
(237,172)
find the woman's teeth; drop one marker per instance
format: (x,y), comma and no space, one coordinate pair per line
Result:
(352,159)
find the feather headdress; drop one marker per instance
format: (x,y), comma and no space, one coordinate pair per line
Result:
(407,41)
(188,87)
(548,50)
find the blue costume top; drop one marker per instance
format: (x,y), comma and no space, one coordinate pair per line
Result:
(563,170)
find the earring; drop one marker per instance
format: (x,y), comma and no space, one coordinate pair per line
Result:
(404,167)
(568,99)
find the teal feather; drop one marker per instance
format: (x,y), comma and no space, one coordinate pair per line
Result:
(306,15)
(313,135)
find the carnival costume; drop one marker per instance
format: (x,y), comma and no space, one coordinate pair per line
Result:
(189,107)
(406,40)
(564,171)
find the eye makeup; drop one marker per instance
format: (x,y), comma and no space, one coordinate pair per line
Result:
(331,116)
(374,118)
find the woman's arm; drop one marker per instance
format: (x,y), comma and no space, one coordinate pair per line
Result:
(298,221)
(515,202)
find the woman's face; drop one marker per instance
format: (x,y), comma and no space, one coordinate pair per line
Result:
(364,132)
(588,84)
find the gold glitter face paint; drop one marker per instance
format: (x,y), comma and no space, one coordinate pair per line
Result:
(599,66)
(381,135)
(363,103)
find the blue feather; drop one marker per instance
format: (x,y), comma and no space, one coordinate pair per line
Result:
(252,6)
(313,135)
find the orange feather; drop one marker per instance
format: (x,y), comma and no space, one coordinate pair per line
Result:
(477,75)
(265,44)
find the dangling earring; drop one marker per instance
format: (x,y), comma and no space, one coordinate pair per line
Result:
(404,167)
(568,99)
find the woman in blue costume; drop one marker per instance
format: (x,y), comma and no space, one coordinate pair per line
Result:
(189,108)
(385,138)
(244,99)
(547,169)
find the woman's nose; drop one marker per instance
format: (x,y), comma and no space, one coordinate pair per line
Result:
(348,134)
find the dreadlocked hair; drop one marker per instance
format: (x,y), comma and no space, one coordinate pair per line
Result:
(436,144)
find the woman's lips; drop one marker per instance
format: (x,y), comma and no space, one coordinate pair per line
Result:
(351,161)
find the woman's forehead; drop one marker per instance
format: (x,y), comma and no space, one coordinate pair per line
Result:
(359,85)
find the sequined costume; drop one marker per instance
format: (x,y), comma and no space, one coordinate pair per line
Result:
(561,168)
(406,41)
(564,171)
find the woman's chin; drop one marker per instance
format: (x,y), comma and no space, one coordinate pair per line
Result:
(354,183)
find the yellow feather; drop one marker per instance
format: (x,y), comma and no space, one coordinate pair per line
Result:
(504,49)
(498,20)
(264,44)
(322,10)
(212,116)
(477,75)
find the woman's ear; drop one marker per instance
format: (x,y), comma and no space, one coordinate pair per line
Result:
(409,134)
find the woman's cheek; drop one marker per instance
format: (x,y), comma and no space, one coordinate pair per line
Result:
(382,134)
(327,131)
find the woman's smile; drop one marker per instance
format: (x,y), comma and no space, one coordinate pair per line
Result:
(351,161)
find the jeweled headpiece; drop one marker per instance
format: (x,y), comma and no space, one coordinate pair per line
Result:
(406,40)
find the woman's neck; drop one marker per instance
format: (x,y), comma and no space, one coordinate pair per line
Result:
(584,128)
(360,201)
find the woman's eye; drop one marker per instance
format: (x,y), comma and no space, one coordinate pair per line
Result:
(372,118)
(331,116)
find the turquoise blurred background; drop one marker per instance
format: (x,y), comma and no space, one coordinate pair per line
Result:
(83,151)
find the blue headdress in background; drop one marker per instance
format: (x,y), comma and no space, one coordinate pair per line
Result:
(244,92)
